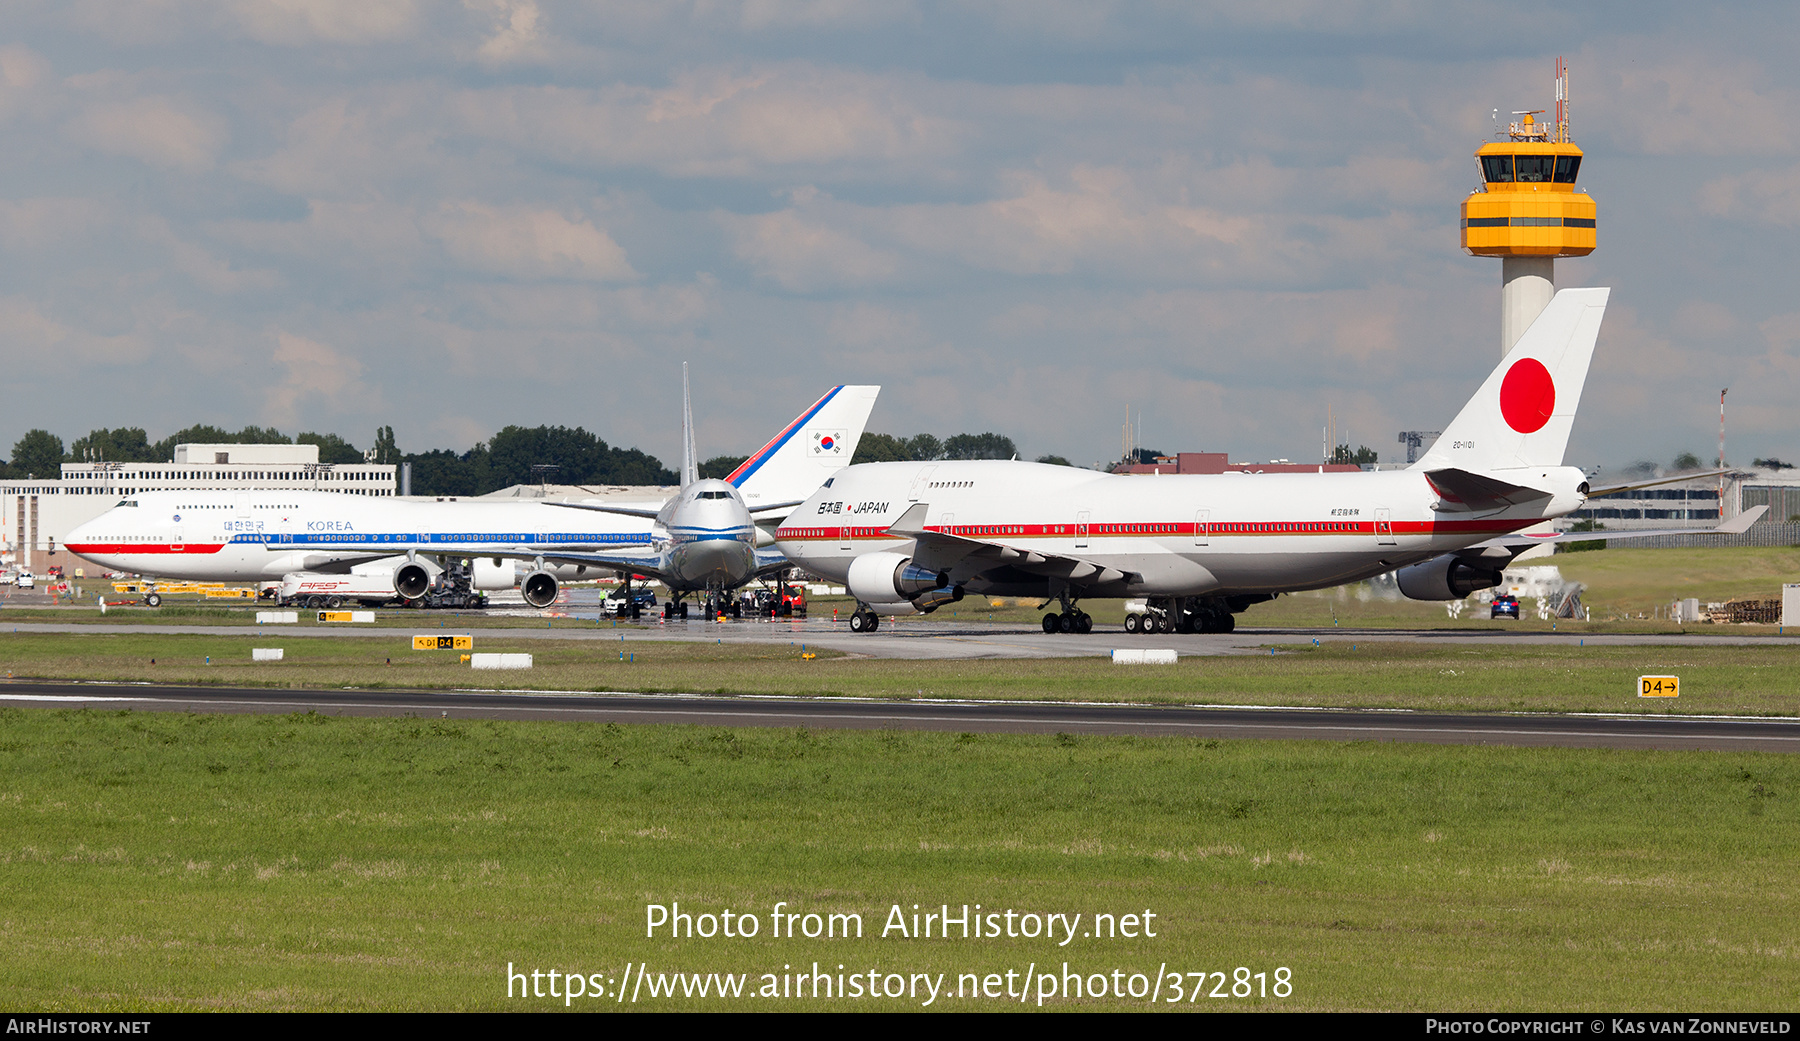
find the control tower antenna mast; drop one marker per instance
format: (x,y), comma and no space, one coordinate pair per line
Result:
(1528,211)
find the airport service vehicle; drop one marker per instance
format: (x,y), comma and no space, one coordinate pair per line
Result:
(255,536)
(1505,606)
(629,602)
(26,580)
(910,537)
(375,588)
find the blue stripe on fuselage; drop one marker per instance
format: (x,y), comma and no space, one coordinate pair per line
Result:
(444,538)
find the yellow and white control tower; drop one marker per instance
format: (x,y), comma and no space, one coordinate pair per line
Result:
(1528,212)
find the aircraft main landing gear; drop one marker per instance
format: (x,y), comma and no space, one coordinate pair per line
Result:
(1070,619)
(864,621)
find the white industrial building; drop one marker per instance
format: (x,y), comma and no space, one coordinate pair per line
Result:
(36,514)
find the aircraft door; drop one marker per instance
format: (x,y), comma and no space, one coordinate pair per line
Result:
(1384,528)
(1202,527)
(921,484)
(1081,529)
(844,534)
(176,543)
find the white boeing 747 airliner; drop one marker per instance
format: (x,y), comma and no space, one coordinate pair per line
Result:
(259,535)
(909,537)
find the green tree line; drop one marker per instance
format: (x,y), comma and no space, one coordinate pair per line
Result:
(569,456)
(562,455)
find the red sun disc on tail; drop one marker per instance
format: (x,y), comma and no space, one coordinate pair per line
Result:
(1527,396)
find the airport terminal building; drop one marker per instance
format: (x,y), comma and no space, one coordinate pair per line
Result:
(37,513)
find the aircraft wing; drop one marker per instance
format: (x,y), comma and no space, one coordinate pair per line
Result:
(937,551)
(600,507)
(639,560)
(766,515)
(1522,541)
(770,561)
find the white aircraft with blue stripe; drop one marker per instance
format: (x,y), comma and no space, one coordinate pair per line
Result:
(252,536)
(709,541)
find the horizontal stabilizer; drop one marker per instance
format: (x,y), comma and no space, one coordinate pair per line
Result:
(1741,523)
(1521,541)
(1614,489)
(1460,489)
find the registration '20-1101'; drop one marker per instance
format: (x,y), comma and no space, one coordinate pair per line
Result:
(1241,984)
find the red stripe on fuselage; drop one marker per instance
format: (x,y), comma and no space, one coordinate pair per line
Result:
(1223,529)
(125,549)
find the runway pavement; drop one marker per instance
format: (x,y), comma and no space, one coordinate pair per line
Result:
(926,638)
(1572,731)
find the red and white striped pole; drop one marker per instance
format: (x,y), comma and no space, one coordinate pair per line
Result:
(1722,454)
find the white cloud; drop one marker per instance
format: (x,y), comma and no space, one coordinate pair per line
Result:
(803,255)
(21,71)
(199,264)
(38,341)
(373,242)
(714,124)
(1771,196)
(316,373)
(521,242)
(299,22)
(160,131)
(517,33)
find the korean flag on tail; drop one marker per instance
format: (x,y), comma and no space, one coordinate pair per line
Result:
(828,444)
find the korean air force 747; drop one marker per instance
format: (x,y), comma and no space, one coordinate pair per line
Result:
(705,538)
(910,537)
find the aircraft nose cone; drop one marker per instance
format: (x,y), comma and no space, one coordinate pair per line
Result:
(724,559)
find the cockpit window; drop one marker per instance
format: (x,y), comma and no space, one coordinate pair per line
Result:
(712,495)
(127,502)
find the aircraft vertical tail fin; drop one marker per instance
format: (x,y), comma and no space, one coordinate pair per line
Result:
(1522,415)
(814,446)
(690,466)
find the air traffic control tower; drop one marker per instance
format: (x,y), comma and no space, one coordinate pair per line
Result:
(1528,212)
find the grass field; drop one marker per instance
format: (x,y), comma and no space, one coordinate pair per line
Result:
(159,861)
(1761,679)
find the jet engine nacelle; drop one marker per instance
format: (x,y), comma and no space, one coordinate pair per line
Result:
(1444,578)
(539,589)
(415,578)
(890,580)
(494,573)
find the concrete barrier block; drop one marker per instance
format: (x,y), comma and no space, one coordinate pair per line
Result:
(265,654)
(1143,657)
(500,661)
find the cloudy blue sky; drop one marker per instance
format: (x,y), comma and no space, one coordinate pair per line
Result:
(1024,217)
